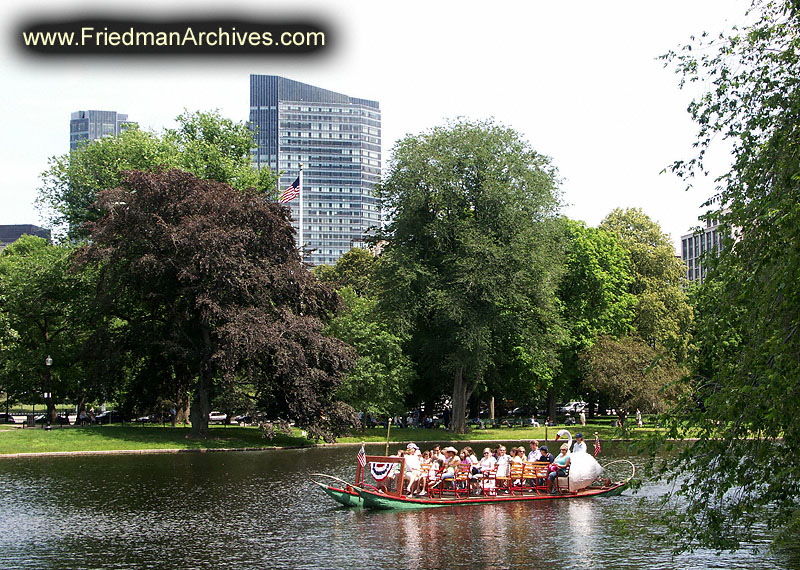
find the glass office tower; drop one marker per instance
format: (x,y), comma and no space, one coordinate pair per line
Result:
(337,138)
(93,125)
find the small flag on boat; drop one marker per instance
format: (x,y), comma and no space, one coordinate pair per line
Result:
(596,445)
(291,192)
(362,457)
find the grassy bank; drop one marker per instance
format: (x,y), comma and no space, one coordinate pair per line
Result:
(131,437)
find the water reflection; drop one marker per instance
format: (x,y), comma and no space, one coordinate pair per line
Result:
(254,510)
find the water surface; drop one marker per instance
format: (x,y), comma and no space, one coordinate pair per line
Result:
(257,510)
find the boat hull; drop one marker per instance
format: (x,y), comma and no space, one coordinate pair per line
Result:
(375,500)
(348,498)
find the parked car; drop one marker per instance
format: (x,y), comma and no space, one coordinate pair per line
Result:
(42,419)
(572,407)
(109,417)
(217,417)
(7,419)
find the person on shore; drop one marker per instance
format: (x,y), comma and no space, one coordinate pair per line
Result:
(638,417)
(583,418)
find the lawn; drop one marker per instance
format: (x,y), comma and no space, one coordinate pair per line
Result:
(132,437)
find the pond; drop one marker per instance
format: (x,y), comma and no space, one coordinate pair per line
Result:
(257,510)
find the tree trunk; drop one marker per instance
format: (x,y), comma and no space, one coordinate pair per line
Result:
(462,391)
(201,406)
(198,413)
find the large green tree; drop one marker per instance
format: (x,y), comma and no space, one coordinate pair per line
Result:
(382,375)
(631,374)
(214,272)
(594,294)
(47,306)
(204,143)
(744,396)
(662,314)
(472,256)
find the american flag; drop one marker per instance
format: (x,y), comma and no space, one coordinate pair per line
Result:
(596,445)
(362,457)
(291,192)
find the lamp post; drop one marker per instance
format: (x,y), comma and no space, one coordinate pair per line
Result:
(47,393)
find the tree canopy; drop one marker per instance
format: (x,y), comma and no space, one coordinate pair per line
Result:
(216,274)
(205,144)
(662,315)
(744,469)
(46,309)
(472,256)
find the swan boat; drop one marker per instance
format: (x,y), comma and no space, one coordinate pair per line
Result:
(388,492)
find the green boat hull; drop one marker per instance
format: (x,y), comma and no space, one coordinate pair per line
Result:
(381,501)
(346,498)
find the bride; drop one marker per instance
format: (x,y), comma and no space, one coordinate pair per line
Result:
(583,468)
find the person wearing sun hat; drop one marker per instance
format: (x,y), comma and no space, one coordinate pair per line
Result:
(451,463)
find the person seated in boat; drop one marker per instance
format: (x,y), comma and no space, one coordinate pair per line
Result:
(535,452)
(579,445)
(488,461)
(486,466)
(464,460)
(425,467)
(546,455)
(412,468)
(451,463)
(436,466)
(559,468)
(503,461)
(473,459)
(519,456)
(436,453)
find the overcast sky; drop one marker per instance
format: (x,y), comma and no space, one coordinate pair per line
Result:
(579,80)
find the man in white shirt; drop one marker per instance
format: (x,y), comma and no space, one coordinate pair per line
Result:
(535,454)
(579,444)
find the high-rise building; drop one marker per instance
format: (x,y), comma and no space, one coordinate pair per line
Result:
(11,233)
(93,125)
(696,244)
(337,138)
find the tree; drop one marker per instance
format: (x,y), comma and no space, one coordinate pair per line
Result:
(662,315)
(382,375)
(205,144)
(744,394)
(353,269)
(630,374)
(594,294)
(47,306)
(216,274)
(472,255)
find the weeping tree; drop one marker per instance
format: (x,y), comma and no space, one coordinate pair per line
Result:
(214,274)
(471,256)
(743,469)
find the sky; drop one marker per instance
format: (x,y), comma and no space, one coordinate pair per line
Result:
(580,81)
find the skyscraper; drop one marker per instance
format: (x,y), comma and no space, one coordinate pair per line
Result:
(93,125)
(695,245)
(337,138)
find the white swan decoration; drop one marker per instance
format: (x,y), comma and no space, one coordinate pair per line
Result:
(583,468)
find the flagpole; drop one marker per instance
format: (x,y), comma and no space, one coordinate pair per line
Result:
(302,243)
